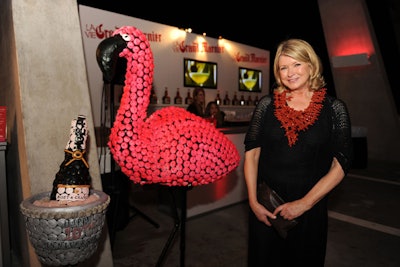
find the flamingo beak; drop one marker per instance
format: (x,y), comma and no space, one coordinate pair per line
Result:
(107,54)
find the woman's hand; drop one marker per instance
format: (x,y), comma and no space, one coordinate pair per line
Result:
(291,210)
(262,213)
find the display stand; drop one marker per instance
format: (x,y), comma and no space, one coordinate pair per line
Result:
(5,259)
(179,224)
(115,188)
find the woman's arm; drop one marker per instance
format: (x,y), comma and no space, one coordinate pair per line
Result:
(251,159)
(252,143)
(326,184)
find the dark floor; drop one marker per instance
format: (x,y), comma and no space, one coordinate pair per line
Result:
(364,228)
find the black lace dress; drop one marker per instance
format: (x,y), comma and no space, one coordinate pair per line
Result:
(292,172)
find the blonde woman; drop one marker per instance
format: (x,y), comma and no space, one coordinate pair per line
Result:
(298,143)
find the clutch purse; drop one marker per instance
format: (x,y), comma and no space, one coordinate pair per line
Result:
(271,200)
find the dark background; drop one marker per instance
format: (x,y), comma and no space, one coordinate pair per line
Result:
(265,25)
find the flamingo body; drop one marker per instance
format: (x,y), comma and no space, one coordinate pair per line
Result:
(172,146)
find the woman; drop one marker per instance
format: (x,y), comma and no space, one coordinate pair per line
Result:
(198,104)
(214,114)
(299,143)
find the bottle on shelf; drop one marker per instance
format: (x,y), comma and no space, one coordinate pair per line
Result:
(178,98)
(249,101)
(153,96)
(166,98)
(242,102)
(256,101)
(235,100)
(188,98)
(227,101)
(218,99)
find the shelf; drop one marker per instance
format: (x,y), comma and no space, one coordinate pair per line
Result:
(185,106)
(233,114)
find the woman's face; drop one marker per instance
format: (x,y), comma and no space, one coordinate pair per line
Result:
(294,74)
(200,97)
(213,109)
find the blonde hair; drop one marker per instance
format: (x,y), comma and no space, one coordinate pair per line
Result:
(302,51)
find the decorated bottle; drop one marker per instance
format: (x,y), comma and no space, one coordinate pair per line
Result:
(72,182)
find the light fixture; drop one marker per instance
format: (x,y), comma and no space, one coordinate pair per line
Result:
(354,60)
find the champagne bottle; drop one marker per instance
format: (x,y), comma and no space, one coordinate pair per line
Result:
(256,101)
(166,98)
(72,182)
(178,98)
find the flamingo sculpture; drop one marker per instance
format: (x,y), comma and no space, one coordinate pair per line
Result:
(171,146)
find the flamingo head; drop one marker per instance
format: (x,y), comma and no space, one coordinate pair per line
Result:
(126,44)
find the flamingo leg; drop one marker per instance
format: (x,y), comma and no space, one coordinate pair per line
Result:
(179,224)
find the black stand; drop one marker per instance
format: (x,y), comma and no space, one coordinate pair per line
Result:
(115,190)
(179,223)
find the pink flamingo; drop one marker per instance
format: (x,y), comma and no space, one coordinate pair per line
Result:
(172,146)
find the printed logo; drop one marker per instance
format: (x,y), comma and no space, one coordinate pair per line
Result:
(196,47)
(253,58)
(97,32)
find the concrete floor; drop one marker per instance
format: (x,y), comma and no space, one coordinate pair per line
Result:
(364,228)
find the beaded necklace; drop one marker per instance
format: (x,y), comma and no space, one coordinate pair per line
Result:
(294,121)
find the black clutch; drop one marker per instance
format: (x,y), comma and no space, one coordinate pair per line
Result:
(271,200)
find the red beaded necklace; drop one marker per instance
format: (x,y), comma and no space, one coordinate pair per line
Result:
(294,121)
